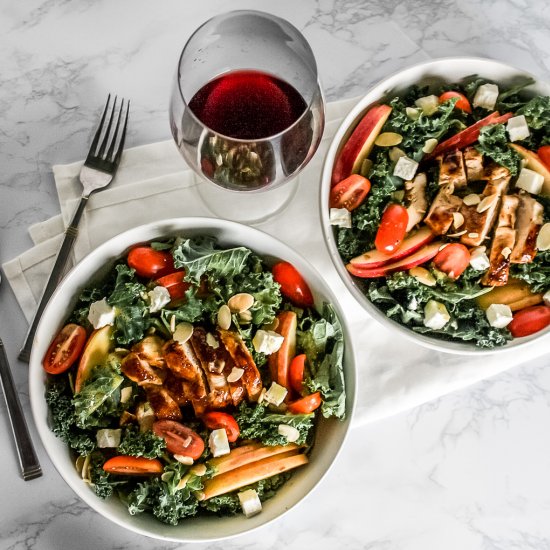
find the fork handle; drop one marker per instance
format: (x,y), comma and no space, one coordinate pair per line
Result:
(28,461)
(56,275)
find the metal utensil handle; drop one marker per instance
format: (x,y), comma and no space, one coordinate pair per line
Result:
(57,273)
(30,467)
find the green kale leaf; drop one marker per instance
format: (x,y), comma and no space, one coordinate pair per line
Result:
(493,143)
(136,443)
(536,273)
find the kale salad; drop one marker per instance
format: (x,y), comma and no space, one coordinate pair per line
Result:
(440,205)
(189,381)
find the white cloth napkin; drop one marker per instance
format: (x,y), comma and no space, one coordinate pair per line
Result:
(153,183)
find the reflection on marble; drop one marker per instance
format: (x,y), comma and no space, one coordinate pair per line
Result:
(467,471)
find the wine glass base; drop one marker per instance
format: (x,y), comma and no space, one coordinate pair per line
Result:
(249,207)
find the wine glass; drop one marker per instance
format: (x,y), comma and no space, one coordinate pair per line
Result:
(247,112)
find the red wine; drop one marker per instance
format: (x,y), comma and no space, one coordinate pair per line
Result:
(247,105)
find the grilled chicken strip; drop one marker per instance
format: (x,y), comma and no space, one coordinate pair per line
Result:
(529,220)
(473,161)
(139,371)
(503,243)
(150,349)
(251,379)
(451,170)
(478,224)
(162,403)
(415,199)
(440,217)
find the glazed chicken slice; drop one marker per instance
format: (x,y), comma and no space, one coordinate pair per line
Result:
(529,220)
(176,388)
(139,371)
(503,243)
(440,216)
(451,170)
(415,199)
(163,404)
(150,350)
(251,379)
(473,160)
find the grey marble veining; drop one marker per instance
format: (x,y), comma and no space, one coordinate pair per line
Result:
(467,471)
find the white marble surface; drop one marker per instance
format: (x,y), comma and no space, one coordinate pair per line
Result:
(467,471)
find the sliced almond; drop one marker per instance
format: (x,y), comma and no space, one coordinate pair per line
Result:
(487,203)
(240,302)
(211,341)
(471,199)
(245,316)
(366,165)
(172,323)
(182,459)
(235,374)
(395,154)
(506,251)
(422,275)
(388,139)
(473,235)
(412,113)
(224,317)
(458,234)
(458,220)
(429,145)
(183,332)
(543,238)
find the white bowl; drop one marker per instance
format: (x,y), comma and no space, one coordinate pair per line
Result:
(329,436)
(428,73)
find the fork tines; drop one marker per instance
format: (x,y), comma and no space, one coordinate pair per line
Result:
(108,142)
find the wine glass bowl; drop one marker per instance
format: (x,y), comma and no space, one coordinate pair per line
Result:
(247,111)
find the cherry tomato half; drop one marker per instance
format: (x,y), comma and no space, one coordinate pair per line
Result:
(215,420)
(349,193)
(150,263)
(544,155)
(65,349)
(463,104)
(392,228)
(133,465)
(453,259)
(306,405)
(529,320)
(293,285)
(296,373)
(175,284)
(180,440)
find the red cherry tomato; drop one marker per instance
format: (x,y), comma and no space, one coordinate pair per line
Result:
(544,155)
(392,228)
(133,465)
(175,284)
(65,349)
(150,263)
(293,285)
(463,104)
(180,440)
(529,320)
(215,420)
(296,373)
(306,404)
(349,193)
(453,259)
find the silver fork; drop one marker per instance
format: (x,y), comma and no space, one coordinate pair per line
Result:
(98,171)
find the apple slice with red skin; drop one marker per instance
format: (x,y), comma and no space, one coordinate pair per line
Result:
(534,162)
(95,353)
(421,256)
(468,135)
(374,258)
(359,145)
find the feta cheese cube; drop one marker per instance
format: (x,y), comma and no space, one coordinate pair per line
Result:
(250,502)
(530,181)
(479,259)
(543,238)
(486,96)
(275,394)
(517,128)
(101,314)
(158,298)
(108,438)
(125,394)
(436,315)
(290,432)
(218,443)
(499,315)
(405,168)
(428,104)
(340,217)
(267,341)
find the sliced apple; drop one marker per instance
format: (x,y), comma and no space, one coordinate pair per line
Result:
(421,256)
(279,362)
(534,163)
(95,353)
(359,145)
(515,292)
(375,258)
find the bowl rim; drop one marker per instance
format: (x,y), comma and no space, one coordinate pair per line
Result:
(122,242)
(374,93)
